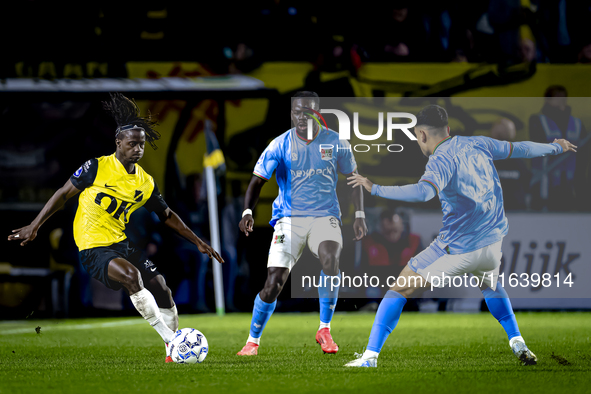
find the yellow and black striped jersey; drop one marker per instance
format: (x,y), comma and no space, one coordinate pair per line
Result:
(109,196)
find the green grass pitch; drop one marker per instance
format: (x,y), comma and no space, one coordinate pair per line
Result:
(434,353)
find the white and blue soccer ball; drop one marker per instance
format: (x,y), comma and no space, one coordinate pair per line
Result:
(189,346)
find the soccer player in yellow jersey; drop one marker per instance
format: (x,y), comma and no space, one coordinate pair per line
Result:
(112,188)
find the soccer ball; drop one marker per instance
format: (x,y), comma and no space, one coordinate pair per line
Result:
(189,346)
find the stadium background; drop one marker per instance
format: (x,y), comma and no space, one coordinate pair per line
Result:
(57,69)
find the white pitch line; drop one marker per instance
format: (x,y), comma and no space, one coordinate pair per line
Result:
(66,327)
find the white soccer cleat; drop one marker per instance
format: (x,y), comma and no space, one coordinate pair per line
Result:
(521,351)
(370,362)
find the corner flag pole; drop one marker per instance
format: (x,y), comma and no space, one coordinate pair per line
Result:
(212,203)
(212,161)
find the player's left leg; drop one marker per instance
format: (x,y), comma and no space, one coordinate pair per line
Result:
(411,282)
(498,301)
(163,295)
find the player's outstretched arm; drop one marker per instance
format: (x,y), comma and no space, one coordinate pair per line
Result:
(56,202)
(359,226)
(172,220)
(526,149)
(250,201)
(418,192)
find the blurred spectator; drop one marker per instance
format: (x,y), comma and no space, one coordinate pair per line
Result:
(502,21)
(555,187)
(387,251)
(513,173)
(196,266)
(563,29)
(527,50)
(394,33)
(585,54)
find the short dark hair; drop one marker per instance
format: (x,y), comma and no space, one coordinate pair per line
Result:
(432,116)
(307,94)
(553,89)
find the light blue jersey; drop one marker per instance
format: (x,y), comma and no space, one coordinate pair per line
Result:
(306,173)
(462,172)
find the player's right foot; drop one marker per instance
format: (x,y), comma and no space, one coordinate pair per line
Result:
(250,349)
(369,362)
(521,351)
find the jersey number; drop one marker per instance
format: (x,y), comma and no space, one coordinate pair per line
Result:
(123,207)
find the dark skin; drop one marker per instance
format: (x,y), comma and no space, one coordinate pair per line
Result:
(329,252)
(130,149)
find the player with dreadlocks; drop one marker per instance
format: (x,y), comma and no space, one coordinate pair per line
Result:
(112,188)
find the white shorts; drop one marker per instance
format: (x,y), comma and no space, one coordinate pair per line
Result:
(482,263)
(292,233)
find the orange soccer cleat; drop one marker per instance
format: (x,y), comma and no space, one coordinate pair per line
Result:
(324,338)
(250,349)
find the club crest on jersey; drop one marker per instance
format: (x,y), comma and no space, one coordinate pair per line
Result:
(326,154)
(279,239)
(334,222)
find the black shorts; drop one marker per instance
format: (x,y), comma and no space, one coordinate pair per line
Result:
(96,262)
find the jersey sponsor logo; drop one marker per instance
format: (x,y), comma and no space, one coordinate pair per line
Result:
(78,172)
(326,154)
(279,239)
(124,207)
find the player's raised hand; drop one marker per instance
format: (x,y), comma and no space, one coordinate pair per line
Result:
(24,234)
(208,250)
(356,180)
(566,146)
(360,229)
(246,224)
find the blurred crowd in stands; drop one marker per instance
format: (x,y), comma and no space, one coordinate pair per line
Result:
(239,36)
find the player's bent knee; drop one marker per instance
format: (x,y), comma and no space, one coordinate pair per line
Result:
(330,264)
(132,280)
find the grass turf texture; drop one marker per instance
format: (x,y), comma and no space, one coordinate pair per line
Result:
(425,353)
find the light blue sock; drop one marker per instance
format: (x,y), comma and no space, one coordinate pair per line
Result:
(386,320)
(261,313)
(328,297)
(500,307)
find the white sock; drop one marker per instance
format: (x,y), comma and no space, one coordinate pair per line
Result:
(170,317)
(146,305)
(254,340)
(515,339)
(370,354)
(324,325)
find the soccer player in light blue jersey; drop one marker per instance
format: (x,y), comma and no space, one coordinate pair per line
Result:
(461,171)
(306,211)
